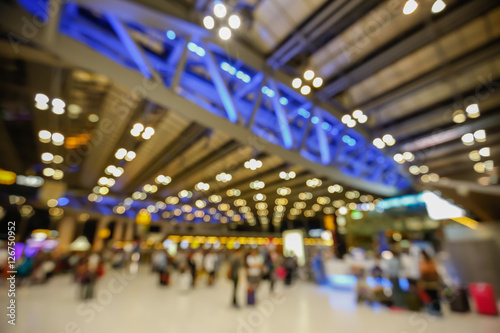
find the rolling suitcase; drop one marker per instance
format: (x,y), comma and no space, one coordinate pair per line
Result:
(413,301)
(251,296)
(164,279)
(484,298)
(458,300)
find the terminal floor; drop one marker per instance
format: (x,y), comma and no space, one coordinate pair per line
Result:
(136,303)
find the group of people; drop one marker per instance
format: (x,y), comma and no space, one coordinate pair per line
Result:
(413,282)
(252,265)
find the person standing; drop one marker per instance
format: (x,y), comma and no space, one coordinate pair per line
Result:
(430,282)
(393,270)
(254,273)
(210,264)
(234,270)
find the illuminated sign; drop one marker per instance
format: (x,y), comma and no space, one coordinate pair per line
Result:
(404,201)
(329,222)
(440,209)
(7,177)
(293,245)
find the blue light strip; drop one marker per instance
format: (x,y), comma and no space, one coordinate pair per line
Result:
(282,118)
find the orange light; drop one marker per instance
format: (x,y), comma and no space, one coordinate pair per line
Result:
(74,142)
(7,177)
(329,222)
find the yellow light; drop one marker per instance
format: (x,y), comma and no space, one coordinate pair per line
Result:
(468,222)
(7,177)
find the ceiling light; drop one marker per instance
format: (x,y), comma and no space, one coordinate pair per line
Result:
(473,111)
(220,10)
(414,170)
(130,156)
(305,90)
(225,33)
(480,135)
(110,169)
(47,157)
(479,167)
(121,153)
(485,152)
(425,178)
(308,75)
(93,118)
(74,110)
(58,159)
(468,139)
(378,143)
(438,6)
(209,22)
(253,164)
(44,136)
(41,98)
(474,156)
(488,165)
(58,103)
(223,177)
(118,172)
(459,116)
(363,119)
(42,106)
(48,172)
(408,156)
(57,139)
(357,113)
(424,169)
(410,7)
(346,118)
(399,158)
(234,21)
(296,83)
(317,82)
(388,139)
(351,123)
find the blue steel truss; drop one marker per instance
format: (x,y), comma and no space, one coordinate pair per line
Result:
(205,74)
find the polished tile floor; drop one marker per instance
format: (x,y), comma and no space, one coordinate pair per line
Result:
(136,303)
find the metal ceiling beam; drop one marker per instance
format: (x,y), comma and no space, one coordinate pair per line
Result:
(464,62)
(190,135)
(450,134)
(387,56)
(80,55)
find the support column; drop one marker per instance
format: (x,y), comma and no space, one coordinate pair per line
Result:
(118,232)
(66,229)
(98,241)
(129,231)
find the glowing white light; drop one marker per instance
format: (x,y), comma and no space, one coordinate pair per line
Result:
(305,90)
(220,10)
(438,6)
(234,21)
(399,158)
(485,152)
(225,33)
(472,109)
(410,7)
(47,157)
(209,22)
(351,123)
(308,75)
(346,118)
(130,156)
(440,209)
(121,153)
(378,143)
(57,139)
(41,98)
(357,113)
(296,83)
(468,139)
(480,135)
(363,119)
(58,103)
(44,136)
(317,82)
